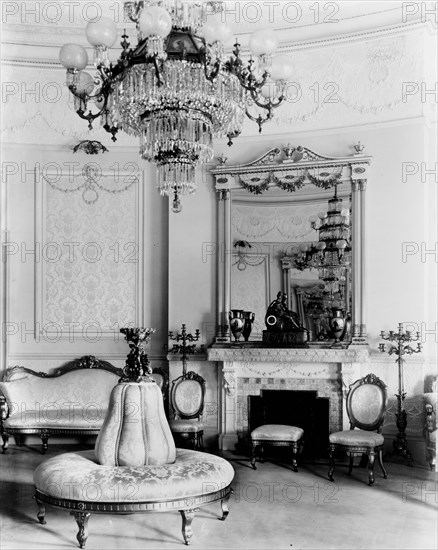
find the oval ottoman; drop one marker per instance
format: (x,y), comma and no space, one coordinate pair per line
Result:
(76,481)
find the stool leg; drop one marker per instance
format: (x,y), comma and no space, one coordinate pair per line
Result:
(187,518)
(82,521)
(332,463)
(253,455)
(294,456)
(224,505)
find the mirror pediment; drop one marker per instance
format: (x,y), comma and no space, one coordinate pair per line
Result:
(286,223)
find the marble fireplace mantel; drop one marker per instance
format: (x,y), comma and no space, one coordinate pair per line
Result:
(246,370)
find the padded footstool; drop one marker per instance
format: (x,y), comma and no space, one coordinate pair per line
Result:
(76,481)
(278,435)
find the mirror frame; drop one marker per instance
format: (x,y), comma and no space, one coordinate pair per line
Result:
(291,162)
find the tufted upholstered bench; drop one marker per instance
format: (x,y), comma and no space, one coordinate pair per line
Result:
(77,482)
(134,466)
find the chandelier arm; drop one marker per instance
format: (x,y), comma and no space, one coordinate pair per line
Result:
(270,105)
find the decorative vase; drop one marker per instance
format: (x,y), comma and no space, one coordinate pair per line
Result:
(337,323)
(249,317)
(237,322)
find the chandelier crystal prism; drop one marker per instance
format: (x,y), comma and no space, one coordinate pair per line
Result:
(176,89)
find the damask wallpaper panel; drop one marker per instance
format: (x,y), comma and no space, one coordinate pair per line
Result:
(91,258)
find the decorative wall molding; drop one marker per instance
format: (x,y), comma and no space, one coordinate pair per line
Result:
(89,258)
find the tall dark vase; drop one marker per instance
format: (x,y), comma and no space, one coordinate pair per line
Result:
(235,316)
(249,317)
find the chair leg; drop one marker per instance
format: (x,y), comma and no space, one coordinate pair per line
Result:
(331,463)
(381,464)
(350,466)
(262,454)
(253,455)
(45,438)
(371,458)
(294,456)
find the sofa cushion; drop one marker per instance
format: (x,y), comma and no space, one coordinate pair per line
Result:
(357,437)
(78,476)
(88,417)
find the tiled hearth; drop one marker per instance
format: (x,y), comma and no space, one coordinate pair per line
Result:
(247,371)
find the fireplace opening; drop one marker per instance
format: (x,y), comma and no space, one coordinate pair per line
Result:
(293,408)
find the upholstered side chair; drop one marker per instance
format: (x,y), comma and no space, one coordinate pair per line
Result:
(431,428)
(187,401)
(366,409)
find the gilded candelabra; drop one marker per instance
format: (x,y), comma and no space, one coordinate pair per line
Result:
(400,347)
(184,348)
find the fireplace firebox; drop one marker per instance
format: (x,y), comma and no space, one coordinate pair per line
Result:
(303,409)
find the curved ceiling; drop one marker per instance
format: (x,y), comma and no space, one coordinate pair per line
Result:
(48,24)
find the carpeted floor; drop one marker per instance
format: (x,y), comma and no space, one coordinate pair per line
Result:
(272,507)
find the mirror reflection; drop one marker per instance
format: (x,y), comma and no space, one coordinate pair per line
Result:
(298,244)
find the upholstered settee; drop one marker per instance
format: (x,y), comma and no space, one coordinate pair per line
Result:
(73,400)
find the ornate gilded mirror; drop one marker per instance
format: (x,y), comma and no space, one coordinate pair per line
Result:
(291,226)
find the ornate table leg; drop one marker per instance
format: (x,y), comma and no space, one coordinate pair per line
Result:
(224,506)
(82,521)
(41,511)
(187,518)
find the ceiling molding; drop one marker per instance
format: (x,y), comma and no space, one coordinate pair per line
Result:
(23,52)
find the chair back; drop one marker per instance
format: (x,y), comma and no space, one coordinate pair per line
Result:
(366,403)
(162,379)
(187,396)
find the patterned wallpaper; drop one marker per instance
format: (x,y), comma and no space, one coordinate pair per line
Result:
(91,260)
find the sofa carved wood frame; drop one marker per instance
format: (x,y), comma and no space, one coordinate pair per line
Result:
(85,363)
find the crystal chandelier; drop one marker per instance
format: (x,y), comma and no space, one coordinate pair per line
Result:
(331,255)
(176,88)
